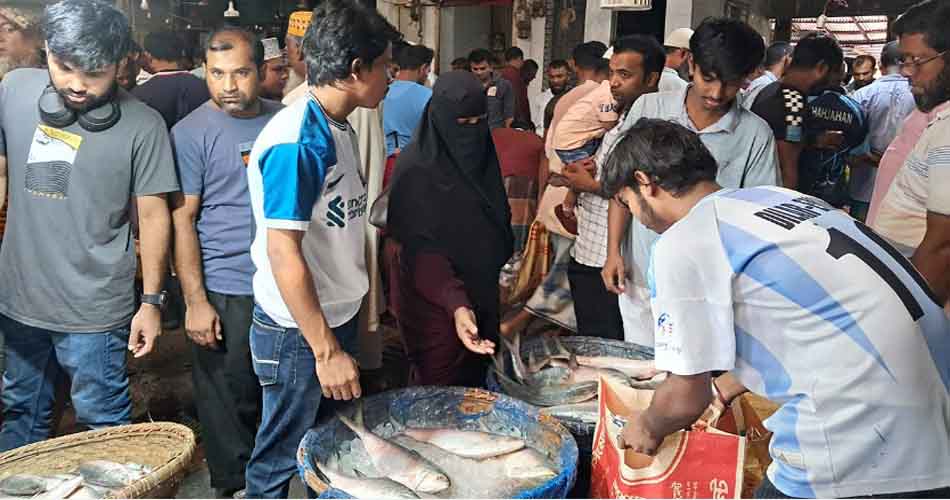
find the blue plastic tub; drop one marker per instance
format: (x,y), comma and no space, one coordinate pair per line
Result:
(464,408)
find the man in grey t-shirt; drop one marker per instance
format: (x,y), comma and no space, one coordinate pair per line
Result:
(68,263)
(213,231)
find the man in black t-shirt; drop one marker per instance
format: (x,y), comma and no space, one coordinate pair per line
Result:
(816,62)
(172,91)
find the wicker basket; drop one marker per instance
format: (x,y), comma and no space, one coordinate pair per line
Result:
(165,447)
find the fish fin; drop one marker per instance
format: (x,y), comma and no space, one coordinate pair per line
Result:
(319,473)
(358,418)
(562,350)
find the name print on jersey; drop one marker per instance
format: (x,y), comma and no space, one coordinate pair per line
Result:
(794,212)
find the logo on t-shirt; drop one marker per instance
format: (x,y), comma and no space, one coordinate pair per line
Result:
(336,215)
(244,149)
(664,324)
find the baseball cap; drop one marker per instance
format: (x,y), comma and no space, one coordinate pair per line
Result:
(299,22)
(678,38)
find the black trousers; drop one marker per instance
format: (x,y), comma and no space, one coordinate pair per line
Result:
(768,490)
(227,393)
(597,310)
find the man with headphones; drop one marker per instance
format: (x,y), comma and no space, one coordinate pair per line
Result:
(78,148)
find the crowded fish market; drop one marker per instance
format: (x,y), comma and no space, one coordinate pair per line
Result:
(474,249)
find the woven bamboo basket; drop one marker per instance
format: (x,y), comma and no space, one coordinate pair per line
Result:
(165,447)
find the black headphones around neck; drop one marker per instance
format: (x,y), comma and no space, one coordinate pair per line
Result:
(55,113)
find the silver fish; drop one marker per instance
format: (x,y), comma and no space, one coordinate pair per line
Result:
(361,486)
(547,387)
(467,444)
(588,411)
(106,474)
(22,485)
(639,369)
(396,462)
(527,465)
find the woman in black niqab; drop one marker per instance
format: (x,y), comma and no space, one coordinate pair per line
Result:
(449,212)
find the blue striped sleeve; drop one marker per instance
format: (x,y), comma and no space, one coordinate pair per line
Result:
(938,189)
(293,176)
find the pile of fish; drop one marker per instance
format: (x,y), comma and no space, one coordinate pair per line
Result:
(93,479)
(432,463)
(564,383)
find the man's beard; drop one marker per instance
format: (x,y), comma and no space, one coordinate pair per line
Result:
(92,101)
(6,66)
(646,216)
(936,94)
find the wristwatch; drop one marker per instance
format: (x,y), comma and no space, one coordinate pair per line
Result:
(155,299)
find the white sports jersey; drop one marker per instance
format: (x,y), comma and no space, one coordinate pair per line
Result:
(816,312)
(304,175)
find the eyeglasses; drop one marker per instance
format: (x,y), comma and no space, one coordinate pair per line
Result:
(915,62)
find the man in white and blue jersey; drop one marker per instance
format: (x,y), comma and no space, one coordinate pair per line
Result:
(309,203)
(803,305)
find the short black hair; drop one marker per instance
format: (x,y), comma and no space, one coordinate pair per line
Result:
(864,58)
(650,50)
(530,68)
(726,48)
(88,34)
(891,54)
(480,56)
(165,45)
(602,67)
(513,53)
(341,32)
(672,156)
(588,56)
(929,18)
(252,41)
(597,47)
(816,48)
(461,63)
(414,57)
(776,52)
(558,64)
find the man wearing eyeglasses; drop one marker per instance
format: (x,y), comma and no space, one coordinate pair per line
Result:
(915,213)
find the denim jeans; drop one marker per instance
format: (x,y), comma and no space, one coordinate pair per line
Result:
(94,362)
(285,367)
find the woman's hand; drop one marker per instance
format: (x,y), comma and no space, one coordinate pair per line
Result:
(467,330)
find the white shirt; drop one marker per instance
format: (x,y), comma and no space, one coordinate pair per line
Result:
(304,175)
(747,96)
(538,104)
(670,81)
(813,311)
(922,185)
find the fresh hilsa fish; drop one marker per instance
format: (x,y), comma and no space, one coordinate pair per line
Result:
(396,462)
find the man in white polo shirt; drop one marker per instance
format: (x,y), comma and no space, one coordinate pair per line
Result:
(309,202)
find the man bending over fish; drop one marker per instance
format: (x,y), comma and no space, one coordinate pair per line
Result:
(805,306)
(309,205)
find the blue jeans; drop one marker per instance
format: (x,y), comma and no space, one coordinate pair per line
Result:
(285,367)
(94,362)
